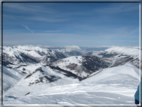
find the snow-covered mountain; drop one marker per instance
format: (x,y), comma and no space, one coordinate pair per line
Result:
(69,75)
(41,75)
(82,66)
(35,54)
(120,56)
(112,51)
(123,51)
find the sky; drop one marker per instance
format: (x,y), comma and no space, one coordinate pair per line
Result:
(67,24)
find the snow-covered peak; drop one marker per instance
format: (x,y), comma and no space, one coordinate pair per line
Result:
(70,60)
(124,50)
(35,50)
(32,48)
(27,49)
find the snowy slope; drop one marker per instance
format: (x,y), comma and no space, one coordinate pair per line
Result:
(119,56)
(22,54)
(118,51)
(36,54)
(127,70)
(10,77)
(41,75)
(124,51)
(29,50)
(63,63)
(26,68)
(115,85)
(82,66)
(71,64)
(36,51)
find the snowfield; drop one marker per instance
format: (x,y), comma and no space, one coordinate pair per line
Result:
(115,86)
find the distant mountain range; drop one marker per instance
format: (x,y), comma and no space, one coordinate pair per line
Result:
(71,61)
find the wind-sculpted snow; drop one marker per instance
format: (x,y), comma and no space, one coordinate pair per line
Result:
(115,85)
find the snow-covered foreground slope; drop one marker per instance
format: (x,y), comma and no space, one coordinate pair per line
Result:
(115,85)
(10,77)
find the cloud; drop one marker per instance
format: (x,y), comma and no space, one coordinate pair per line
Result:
(22,7)
(33,8)
(28,28)
(37,18)
(39,12)
(117,8)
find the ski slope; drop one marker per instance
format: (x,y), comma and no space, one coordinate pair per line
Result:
(112,86)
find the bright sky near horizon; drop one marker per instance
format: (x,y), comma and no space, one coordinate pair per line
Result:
(66,24)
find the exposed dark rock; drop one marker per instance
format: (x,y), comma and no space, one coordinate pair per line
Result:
(72,66)
(27,93)
(21,66)
(107,55)
(67,73)
(122,61)
(38,69)
(93,63)
(24,69)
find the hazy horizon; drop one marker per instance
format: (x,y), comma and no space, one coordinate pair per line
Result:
(75,45)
